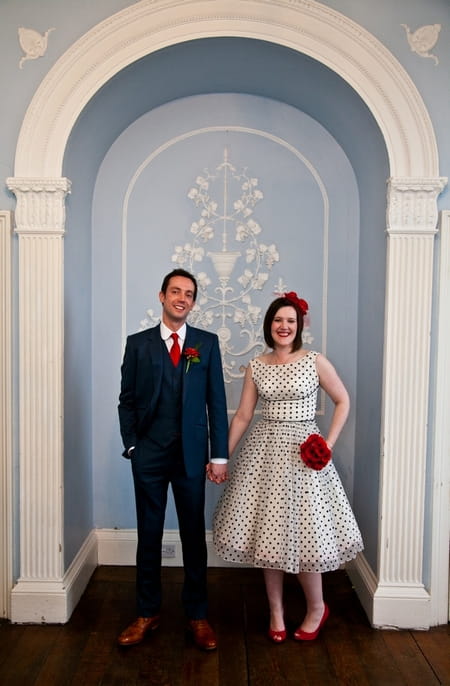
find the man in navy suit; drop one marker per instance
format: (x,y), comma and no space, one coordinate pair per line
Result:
(173,422)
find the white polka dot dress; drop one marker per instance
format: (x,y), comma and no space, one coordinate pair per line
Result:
(275,512)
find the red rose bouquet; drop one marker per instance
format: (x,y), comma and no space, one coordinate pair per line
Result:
(315,453)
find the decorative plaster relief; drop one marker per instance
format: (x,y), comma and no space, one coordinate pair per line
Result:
(412,205)
(423,39)
(32,43)
(225,297)
(40,204)
(309,27)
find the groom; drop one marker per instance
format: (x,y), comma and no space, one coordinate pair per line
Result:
(173,420)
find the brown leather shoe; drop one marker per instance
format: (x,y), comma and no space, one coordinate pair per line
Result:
(202,634)
(135,633)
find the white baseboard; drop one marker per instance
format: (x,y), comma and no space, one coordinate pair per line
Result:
(118,547)
(389,606)
(401,607)
(52,602)
(364,582)
(80,571)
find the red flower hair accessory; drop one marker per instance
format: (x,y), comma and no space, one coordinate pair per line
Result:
(315,453)
(301,304)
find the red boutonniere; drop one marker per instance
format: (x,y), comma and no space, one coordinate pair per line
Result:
(191,355)
(315,453)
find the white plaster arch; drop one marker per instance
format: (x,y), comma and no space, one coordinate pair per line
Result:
(303,25)
(394,593)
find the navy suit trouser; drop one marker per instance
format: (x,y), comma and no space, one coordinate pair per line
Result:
(154,468)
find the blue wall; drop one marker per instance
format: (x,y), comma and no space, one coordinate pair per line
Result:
(218,66)
(252,67)
(143,223)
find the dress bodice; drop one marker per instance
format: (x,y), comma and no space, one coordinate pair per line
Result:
(288,392)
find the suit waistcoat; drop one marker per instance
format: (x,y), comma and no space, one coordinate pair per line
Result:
(165,426)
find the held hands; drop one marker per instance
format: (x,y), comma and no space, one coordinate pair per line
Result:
(217,473)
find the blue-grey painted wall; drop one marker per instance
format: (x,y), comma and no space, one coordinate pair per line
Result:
(211,66)
(142,212)
(214,67)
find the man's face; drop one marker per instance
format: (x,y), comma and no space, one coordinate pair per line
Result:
(177,301)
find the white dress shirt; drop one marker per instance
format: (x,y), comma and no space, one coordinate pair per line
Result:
(166,334)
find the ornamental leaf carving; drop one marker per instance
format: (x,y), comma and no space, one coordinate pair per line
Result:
(229,262)
(32,43)
(423,39)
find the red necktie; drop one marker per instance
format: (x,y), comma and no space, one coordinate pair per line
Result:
(175,352)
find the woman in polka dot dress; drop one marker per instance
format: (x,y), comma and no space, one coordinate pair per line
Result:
(275,512)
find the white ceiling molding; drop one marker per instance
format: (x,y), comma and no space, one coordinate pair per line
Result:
(303,25)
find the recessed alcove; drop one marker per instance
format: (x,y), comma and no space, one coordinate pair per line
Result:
(217,67)
(331,70)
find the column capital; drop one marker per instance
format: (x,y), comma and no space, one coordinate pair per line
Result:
(411,205)
(40,204)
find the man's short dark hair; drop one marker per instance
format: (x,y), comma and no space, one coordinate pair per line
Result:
(179,272)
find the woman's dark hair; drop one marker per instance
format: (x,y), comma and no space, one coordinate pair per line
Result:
(270,316)
(179,272)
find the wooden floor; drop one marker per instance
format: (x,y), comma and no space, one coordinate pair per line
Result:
(348,651)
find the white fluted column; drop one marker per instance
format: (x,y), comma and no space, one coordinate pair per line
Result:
(40,215)
(400,598)
(6,413)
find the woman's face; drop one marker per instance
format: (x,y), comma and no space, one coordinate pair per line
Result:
(284,326)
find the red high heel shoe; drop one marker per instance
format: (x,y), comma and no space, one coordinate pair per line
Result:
(301,635)
(277,636)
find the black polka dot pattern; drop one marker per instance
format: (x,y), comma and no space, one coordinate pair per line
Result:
(275,512)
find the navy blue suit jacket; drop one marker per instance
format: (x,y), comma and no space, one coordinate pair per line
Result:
(204,412)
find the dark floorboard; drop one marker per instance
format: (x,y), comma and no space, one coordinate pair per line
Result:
(84,651)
